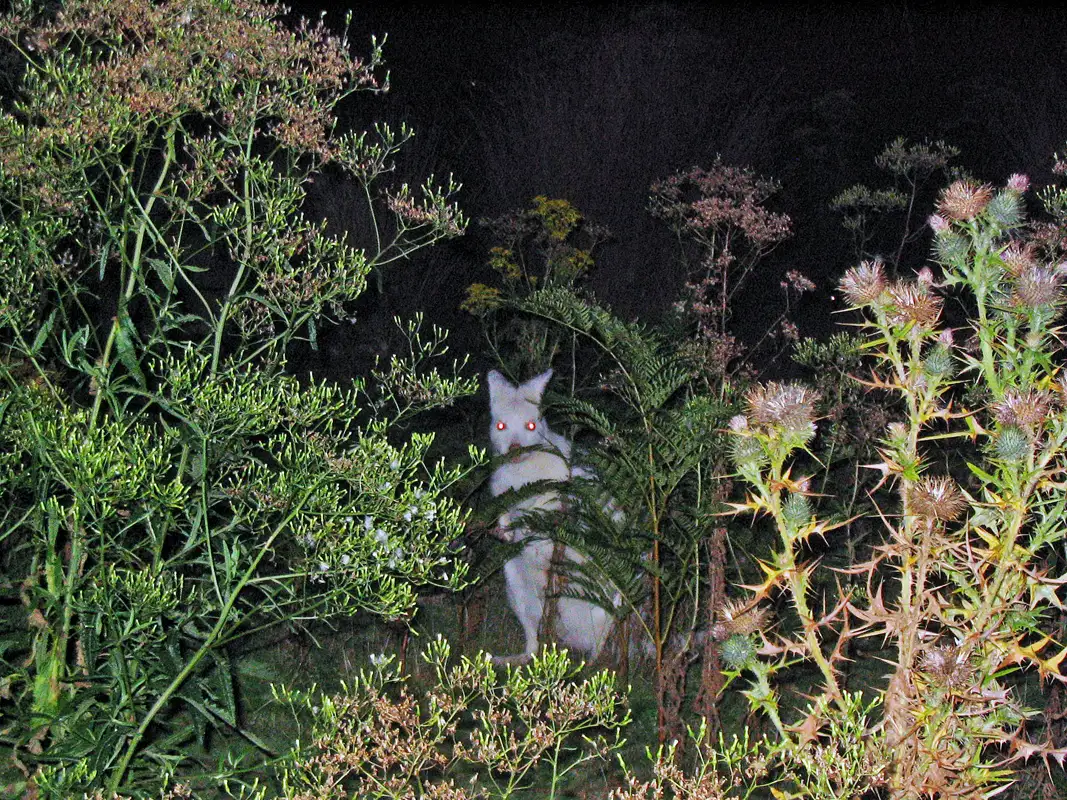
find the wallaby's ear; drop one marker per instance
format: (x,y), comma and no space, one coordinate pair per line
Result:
(497,383)
(534,388)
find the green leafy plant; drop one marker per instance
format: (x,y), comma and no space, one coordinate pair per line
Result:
(656,442)
(549,245)
(168,487)
(660,397)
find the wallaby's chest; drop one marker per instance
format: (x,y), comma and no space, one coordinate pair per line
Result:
(529,467)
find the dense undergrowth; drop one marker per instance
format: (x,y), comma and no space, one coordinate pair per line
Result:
(212,566)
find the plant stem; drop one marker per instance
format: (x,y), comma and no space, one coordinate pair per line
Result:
(207,646)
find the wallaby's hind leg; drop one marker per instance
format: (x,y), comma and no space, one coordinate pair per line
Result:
(526,578)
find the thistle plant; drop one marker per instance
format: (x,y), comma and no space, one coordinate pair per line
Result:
(474,734)
(962,585)
(168,486)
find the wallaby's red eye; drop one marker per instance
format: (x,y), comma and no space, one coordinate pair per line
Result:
(501,426)
(531,425)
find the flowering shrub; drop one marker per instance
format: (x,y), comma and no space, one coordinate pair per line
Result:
(167,487)
(724,229)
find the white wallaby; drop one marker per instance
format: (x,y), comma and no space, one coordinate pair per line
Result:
(517,423)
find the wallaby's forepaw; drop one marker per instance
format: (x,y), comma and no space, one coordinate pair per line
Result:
(516,660)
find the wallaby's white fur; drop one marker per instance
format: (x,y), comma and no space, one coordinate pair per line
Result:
(517,423)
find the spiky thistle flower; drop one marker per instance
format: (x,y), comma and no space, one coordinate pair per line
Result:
(940,362)
(913,303)
(1012,444)
(936,498)
(864,284)
(737,650)
(947,666)
(964,200)
(1006,208)
(789,407)
(939,224)
(1018,257)
(952,248)
(797,511)
(1037,285)
(1018,183)
(747,453)
(1027,410)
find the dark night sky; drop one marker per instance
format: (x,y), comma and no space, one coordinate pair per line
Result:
(592,103)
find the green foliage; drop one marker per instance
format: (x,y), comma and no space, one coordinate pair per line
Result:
(646,525)
(549,246)
(734,768)
(167,487)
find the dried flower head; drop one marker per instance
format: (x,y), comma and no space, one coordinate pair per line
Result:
(964,200)
(947,666)
(787,406)
(737,617)
(864,284)
(1027,410)
(936,498)
(913,304)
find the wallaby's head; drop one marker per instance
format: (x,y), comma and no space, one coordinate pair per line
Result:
(516,412)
